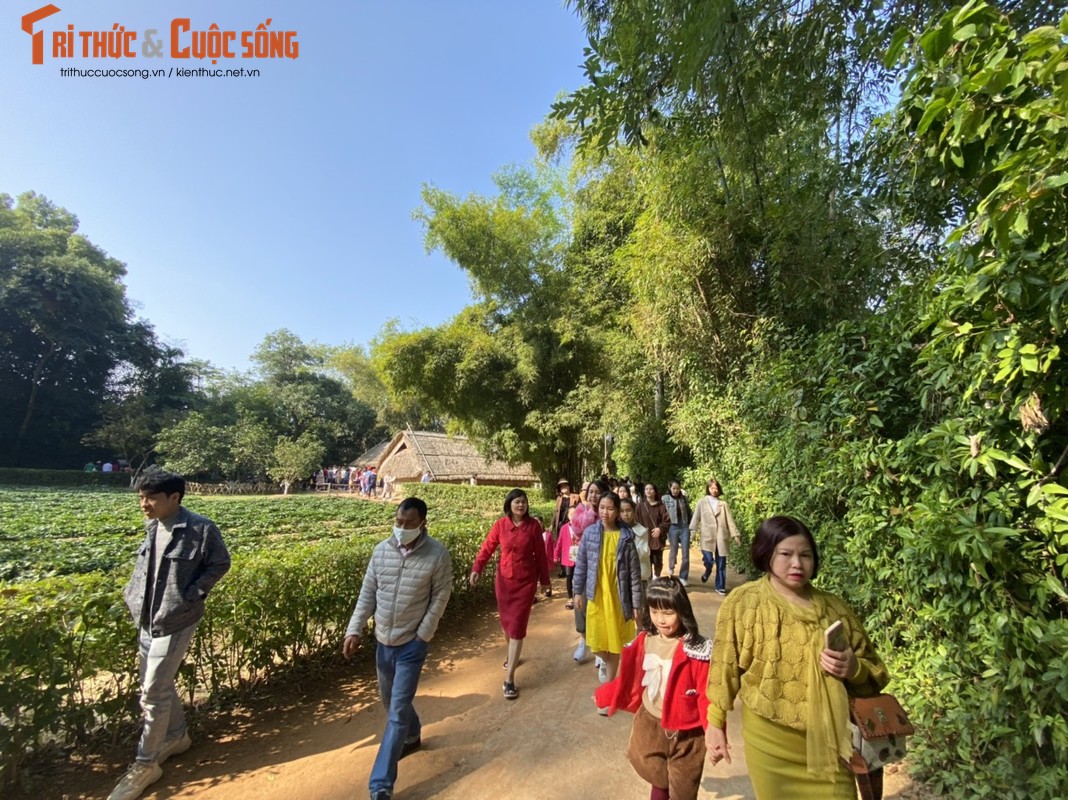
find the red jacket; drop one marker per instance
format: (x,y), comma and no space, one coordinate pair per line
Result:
(686,695)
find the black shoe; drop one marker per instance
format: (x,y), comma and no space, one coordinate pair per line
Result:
(412,746)
(704,578)
(510,692)
(382,794)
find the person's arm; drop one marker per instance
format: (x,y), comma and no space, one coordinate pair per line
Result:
(541,560)
(730,523)
(695,520)
(215,564)
(578,580)
(634,567)
(728,664)
(859,665)
(440,591)
(365,608)
(485,552)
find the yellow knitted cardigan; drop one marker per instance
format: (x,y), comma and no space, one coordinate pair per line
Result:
(760,653)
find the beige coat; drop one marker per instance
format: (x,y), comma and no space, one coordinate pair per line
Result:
(714,527)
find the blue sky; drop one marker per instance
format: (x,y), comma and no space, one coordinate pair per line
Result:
(244,205)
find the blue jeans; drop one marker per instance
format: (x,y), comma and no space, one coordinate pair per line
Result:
(398,678)
(679,536)
(721,573)
(163,713)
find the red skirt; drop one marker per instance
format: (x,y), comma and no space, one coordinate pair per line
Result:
(514,601)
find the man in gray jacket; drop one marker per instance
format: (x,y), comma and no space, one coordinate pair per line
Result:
(181,558)
(406,588)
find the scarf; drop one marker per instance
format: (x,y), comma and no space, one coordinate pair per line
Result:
(827,736)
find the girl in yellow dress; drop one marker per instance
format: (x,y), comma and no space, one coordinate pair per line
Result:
(770,650)
(608,584)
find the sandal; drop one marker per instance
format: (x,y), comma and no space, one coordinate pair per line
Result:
(510,692)
(570,606)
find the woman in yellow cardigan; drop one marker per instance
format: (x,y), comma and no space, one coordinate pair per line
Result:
(769,650)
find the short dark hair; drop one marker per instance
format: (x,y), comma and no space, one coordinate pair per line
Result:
(602,484)
(408,503)
(771,532)
(668,594)
(656,491)
(628,501)
(159,481)
(708,486)
(513,495)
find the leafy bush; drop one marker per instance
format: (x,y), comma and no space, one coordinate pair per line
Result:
(11,476)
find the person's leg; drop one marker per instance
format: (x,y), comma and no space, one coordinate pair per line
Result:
(673,543)
(683,537)
(163,713)
(611,664)
(569,574)
(721,573)
(398,679)
(709,563)
(515,649)
(656,560)
(685,763)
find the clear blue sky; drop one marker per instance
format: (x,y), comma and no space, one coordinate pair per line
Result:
(244,205)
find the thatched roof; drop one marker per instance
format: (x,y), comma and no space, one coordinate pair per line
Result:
(374,456)
(451,459)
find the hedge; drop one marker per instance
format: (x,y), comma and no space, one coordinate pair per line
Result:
(11,476)
(68,654)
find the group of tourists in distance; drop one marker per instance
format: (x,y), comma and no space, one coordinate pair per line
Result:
(769,646)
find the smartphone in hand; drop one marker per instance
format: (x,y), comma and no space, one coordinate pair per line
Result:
(835,637)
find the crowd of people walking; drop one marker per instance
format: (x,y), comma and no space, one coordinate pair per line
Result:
(772,647)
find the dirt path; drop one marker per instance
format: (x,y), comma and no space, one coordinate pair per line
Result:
(318,742)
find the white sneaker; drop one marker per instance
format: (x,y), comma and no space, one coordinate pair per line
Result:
(603,710)
(137,778)
(602,672)
(684,582)
(172,747)
(581,651)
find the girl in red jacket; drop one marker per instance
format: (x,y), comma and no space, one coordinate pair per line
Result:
(662,679)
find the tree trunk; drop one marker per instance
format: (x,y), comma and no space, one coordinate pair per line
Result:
(31,404)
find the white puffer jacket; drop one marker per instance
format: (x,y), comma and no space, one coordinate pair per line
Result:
(407,594)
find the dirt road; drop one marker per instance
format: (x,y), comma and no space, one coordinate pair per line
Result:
(318,742)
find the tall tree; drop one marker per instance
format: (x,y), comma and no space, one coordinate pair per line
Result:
(65,328)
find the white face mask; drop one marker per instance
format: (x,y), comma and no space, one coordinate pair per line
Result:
(405,536)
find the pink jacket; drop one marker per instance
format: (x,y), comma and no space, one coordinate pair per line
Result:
(563,546)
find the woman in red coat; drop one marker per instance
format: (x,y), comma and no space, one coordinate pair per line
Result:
(523,564)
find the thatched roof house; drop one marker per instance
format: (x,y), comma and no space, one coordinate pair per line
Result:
(450,459)
(374,456)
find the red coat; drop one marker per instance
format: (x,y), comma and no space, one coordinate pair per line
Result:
(522,551)
(686,696)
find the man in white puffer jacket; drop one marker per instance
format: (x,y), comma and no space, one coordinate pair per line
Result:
(406,588)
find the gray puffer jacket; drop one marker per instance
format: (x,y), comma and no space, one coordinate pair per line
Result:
(193,561)
(407,594)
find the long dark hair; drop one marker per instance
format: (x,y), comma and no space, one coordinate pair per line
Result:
(668,594)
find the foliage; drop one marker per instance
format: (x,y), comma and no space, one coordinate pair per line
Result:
(62,477)
(67,333)
(67,652)
(926,443)
(294,459)
(234,431)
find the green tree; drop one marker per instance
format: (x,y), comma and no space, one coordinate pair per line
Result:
(295,459)
(66,329)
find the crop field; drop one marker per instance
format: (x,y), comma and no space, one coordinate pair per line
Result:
(48,532)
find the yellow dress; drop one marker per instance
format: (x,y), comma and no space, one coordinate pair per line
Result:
(606,629)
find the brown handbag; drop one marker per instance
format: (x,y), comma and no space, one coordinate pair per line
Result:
(879,726)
